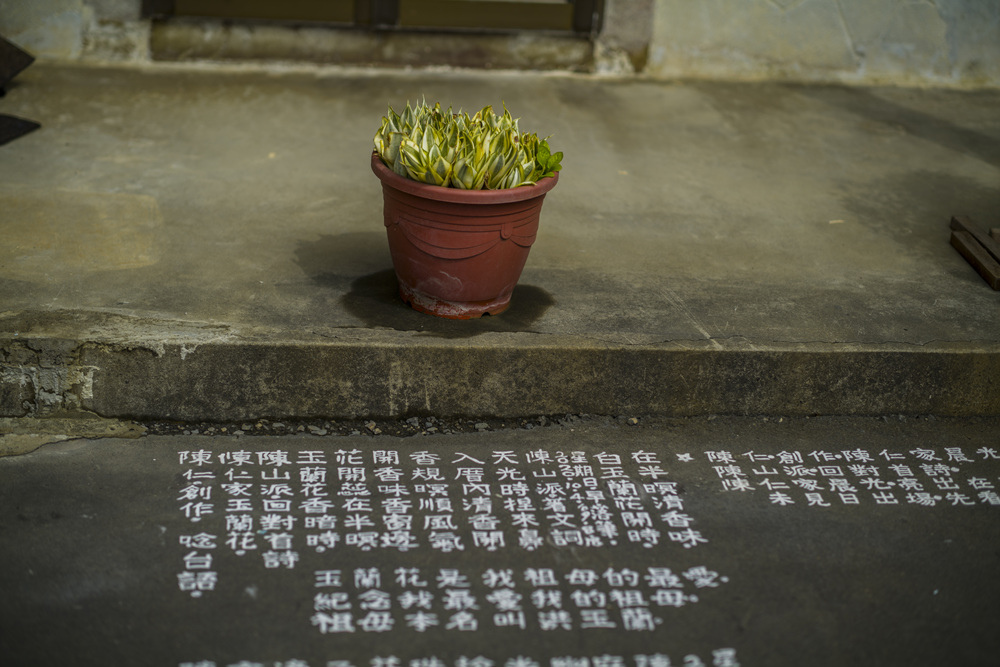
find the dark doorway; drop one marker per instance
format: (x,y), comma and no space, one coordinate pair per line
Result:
(569,16)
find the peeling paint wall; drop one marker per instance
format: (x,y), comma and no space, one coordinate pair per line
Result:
(950,42)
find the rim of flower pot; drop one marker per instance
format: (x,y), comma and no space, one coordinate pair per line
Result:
(457,195)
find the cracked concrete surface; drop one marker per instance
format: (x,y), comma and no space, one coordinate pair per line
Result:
(20,436)
(207,244)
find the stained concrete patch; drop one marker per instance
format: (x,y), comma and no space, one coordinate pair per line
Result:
(20,436)
(52,235)
(14,445)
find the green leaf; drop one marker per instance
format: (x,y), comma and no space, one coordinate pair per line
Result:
(461,175)
(547,163)
(442,171)
(486,150)
(543,153)
(555,162)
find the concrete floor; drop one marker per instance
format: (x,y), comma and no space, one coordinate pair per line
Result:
(99,559)
(205,243)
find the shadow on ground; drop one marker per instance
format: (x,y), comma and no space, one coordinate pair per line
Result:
(941,131)
(374,300)
(357,264)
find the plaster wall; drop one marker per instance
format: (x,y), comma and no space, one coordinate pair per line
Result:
(924,42)
(950,42)
(77,29)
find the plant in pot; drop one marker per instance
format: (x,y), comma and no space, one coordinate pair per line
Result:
(462,196)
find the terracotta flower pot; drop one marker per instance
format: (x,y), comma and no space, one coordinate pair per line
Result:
(458,253)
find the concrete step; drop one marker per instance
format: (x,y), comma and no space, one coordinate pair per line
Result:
(389,374)
(207,244)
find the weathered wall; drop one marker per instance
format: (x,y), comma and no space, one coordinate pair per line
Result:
(76,29)
(898,41)
(939,42)
(47,28)
(623,45)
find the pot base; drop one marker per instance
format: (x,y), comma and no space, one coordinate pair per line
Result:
(452,310)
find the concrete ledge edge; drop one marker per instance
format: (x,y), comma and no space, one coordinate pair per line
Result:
(514,376)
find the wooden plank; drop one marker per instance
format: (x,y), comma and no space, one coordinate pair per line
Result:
(977,256)
(964,224)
